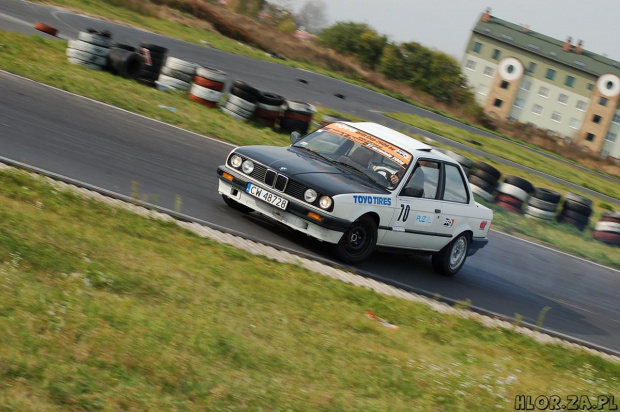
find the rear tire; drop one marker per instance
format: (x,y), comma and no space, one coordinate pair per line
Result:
(449,260)
(236,205)
(358,242)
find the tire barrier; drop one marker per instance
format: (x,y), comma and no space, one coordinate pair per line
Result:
(296,116)
(513,193)
(607,230)
(153,58)
(207,86)
(242,101)
(542,204)
(45,28)
(176,74)
(465,163)
(483,180)
(268,108)
(92,49)
(125,63)
(576,211)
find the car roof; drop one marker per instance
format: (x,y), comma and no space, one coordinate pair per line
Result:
(390,135)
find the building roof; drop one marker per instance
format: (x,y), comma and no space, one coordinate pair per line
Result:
(545,46)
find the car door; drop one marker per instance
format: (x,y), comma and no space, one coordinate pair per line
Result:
(415,219)
(454,205)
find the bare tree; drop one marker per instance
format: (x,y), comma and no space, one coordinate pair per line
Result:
(312,15)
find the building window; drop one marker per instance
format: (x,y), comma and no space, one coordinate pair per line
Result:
(504,85)
(581,105)
(496,54)
(520,103)
(574,123)
(537,109)
(544,91)
(556,117)
(611,137)
(616,118)
(550,74)
(526,85)
(477,47)
(590,137)
(596,119)
(471,65)
(498,103)
(562,98)
(488,71)
(570,81)
(590,86)
(482,89)
(603,101)
(532,67)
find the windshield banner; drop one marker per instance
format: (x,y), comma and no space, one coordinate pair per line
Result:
(385,149)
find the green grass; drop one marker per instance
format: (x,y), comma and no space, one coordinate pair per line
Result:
(514,153)
(101,309)
(44,60)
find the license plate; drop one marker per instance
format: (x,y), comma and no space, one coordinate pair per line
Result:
(268,197)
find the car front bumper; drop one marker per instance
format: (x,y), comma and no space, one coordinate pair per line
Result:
(328,228)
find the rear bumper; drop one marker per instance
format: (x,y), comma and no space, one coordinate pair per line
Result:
(477,243)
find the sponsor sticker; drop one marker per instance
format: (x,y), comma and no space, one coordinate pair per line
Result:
(398,229)
(424,219)
(448,222)
(146,55)
(372,200)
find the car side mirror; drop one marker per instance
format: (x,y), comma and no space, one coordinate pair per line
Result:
(413,191)
(295,137)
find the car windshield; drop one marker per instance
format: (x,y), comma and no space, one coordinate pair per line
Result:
(379,161)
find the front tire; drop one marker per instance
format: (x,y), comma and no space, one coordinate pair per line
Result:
(449,260)
(236,205)
(358,242)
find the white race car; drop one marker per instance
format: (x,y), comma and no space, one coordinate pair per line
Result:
(361,186)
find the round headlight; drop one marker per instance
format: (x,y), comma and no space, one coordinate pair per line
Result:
(310,195)
(248,167)
(235,161)
(325,202)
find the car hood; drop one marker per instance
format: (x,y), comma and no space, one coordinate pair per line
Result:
(310,170)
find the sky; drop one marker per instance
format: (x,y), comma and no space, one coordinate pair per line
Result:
(446,25)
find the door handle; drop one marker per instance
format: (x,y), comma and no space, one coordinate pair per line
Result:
(437,211)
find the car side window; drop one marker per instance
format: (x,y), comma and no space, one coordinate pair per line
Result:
(423,181)
(455,190)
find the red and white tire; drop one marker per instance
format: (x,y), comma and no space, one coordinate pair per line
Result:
(539,213)
(267,114)
(513,191)
(202,101)
(205,94)
(607,237)
(208,83)
(87,57)
(302,117)
(607,227)
(509,207)
(211,73)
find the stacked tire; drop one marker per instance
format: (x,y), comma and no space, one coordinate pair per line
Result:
(330,118)
(176,74)
(543,204)
(483,180)
(296,116)
(607,229)
(513,193)
(268,107)
(91,49)
(153,58)
(125,61)
(241,102)
(207,86)
(576,211)
(466,164)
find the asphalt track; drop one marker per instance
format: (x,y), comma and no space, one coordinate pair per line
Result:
(112,148)
(19,16)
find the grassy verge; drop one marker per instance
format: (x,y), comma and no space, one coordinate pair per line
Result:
(45,61)
(513,153)
(102,309)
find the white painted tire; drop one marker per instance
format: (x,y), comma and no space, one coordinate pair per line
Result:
(181,65)
(91,66)
(88,48)
(607,227)
(211,73)
(94,39)
(172,82)
(177,74)
(609,85)
(482,193)
(513,191)
(300,107)
(163,86)
(244,104)
(206,93)
(539,213)
(237,109)
(233,114)
(87,57)
(268,107)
